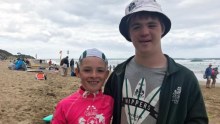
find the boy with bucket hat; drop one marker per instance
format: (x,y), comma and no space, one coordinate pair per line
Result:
(150,87)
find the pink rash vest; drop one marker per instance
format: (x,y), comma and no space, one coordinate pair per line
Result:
(83,107)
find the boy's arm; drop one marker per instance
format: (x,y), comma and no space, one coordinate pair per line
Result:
(196,107)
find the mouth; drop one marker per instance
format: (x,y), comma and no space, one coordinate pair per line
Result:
(93,82)
(145,42)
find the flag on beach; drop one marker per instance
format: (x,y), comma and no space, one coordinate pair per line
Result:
(60,54)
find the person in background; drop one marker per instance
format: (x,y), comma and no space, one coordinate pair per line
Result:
(72,67)
(88,105)
(27,62)
(11,65)
(150,87)
(214,76)
(64,64)
(20,65)
(50,62)
(208,73)
(66,61)
(40,61)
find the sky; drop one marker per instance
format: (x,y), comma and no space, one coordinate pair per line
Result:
(43,28)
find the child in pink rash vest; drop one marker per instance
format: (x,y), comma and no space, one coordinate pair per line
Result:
(88,105)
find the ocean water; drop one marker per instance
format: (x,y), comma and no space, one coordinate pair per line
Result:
(198,66)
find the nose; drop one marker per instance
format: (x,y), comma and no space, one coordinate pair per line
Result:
(94,74)
(145,31)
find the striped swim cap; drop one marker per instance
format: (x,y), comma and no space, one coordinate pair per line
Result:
(93,53)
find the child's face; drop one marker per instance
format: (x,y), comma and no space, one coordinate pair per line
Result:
(93,73)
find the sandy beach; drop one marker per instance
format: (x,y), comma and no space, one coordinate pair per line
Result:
(25,100)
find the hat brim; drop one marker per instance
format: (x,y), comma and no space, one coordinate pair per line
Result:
(124,28)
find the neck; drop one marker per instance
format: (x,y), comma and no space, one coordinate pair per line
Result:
(151,61)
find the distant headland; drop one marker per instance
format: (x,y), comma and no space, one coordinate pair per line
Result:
(6,55)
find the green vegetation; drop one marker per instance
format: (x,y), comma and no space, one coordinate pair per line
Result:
(6,55)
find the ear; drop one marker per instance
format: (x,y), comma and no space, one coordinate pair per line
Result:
(162,28)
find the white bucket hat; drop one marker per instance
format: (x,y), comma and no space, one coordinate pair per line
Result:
(95,53)
(139,6)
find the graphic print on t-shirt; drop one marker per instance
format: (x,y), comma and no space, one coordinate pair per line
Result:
(92,117)
(137,107)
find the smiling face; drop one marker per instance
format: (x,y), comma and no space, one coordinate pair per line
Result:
(145,32)
(93,73)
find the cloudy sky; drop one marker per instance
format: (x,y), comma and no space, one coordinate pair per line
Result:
(44,27)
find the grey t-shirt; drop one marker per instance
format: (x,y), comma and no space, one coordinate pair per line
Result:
(141,89)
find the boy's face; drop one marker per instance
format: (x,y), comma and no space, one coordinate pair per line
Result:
(93,73)
(145,33)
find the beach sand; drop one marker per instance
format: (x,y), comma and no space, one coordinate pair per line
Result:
(25,100)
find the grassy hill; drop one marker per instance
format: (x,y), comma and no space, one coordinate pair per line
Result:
(6,55)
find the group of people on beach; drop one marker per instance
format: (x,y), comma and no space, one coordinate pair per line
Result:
(211,74)
(148,88)
(19,64)
(65,64)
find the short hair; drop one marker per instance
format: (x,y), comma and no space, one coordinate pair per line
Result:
(145,14)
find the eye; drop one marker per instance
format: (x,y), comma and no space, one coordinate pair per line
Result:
(86,70)
(135,27)
(152,25)
(101,71)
